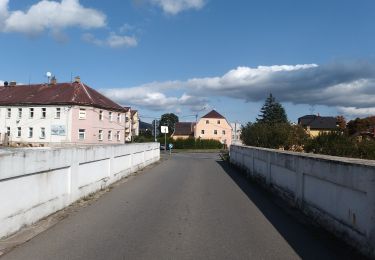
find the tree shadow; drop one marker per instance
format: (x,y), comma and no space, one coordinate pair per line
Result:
(307,240)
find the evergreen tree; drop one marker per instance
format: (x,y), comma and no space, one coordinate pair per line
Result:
(272,112)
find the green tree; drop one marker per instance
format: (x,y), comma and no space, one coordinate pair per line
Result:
(360,124)
(276,136)
(169,120)
(272,112)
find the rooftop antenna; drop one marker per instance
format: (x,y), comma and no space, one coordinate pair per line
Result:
(48,75)
(312,109)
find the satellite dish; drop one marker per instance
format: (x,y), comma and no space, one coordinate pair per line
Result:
(49,74)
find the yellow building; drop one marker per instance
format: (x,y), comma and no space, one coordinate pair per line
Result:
(210,126)
(214,126)
(316,124)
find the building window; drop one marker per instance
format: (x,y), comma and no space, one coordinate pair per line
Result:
(42,133)
(18,131)
(81,134)
(207,122)
(218,122)
(58,112)
(9,112)
(31,112)
(82,113)
(100,135)
(202,132)
(44,112)
(110,116)
(118,136)
(20,113)
(126,119)
(215,132)
(101,115)
(110,135)
(31,130)
(8,131)
(119,117)
(223,132)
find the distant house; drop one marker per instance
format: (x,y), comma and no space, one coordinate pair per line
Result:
(58,113)
(315,124)
(134,123)
(214,126)
(210,126)
(236,132)
(183,130)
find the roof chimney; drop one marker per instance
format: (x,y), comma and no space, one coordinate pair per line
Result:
(77,79)
(53,81)
(13,83)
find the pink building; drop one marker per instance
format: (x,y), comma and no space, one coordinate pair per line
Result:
(59,113)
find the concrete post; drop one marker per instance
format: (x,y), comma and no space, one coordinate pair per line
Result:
(253,162)
(371,207)
(298,193)
(268,173)
(74,170)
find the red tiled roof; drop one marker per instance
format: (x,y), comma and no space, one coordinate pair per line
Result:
(213,114)
(127,109)
(56,94)
(184,128)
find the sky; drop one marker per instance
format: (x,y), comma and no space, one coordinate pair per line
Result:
(190,56)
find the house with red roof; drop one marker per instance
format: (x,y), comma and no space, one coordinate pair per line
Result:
(59,113)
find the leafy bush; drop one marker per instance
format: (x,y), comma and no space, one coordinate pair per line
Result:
(192,143)
(334,143)
(338,144)
(276,136)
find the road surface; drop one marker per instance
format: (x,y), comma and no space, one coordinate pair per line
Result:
(189,206)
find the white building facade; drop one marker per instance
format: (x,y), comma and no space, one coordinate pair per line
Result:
(35,124)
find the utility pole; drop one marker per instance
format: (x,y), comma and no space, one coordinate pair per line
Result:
(165,141)
(155,129)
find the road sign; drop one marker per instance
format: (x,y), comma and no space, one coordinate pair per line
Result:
(164,129)
(170,146)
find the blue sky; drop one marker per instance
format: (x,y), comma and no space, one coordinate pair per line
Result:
(184,56)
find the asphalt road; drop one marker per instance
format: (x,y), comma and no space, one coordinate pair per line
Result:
(190,206)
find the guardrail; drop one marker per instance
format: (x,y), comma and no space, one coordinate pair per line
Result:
(338,193)
(35,183)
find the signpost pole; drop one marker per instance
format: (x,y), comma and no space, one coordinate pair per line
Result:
(165,141)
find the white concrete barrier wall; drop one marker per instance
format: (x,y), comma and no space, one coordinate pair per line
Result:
(35,183)
(337,192)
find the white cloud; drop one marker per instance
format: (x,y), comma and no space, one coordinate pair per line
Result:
(113,40)
(154,100)
(357,112)
(348,86)
(49,15)
(176,6)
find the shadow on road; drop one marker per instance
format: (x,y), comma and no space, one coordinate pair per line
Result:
(307,241)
